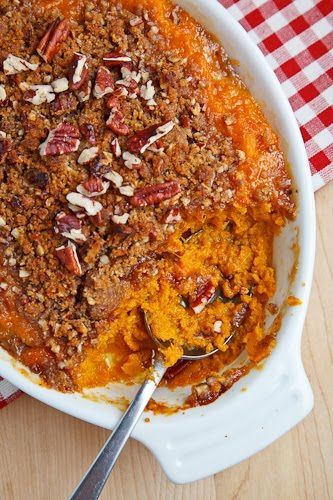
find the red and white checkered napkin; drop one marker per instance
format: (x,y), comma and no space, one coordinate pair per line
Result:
(296,37)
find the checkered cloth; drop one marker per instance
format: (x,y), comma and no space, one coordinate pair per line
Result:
(296,37)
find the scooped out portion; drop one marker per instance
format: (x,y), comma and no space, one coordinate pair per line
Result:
(208,290)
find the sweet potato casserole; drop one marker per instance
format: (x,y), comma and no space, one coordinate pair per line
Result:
(137,173)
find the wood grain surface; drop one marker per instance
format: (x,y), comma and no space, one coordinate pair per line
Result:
(44,453)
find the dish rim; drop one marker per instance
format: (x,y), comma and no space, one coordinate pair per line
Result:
(162,435)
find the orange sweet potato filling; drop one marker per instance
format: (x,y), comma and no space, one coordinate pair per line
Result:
(236,241)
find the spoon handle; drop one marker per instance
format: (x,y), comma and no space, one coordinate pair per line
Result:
(93,482)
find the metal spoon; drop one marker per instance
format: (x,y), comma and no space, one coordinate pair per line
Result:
(96,476)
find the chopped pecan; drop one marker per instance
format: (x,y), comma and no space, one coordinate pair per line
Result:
(100,219)
(64,103)
(104,83)
(88,155)
(130,160)
(115,148)
(70,227)
(60,85)
(114,58)
(90,206)
(120,219)
(55,35)
(88,132)
(140,141)
(114,177)
(115,122)
(38,94)
(93,187)
(114,100)
(78,72)
(240,315)
(65,138)
(38,178)
(68,257)
(13,65)
(202,296)
(155,194)
(84,93)
(172,216)
(174,370)
(3,94)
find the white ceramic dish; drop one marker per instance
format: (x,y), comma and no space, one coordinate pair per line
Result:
(205,440)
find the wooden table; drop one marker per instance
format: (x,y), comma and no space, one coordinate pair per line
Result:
(44,452)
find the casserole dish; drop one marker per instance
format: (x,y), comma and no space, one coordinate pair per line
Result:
(279,395)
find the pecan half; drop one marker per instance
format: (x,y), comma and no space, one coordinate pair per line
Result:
(202,296)
(65,138)
(115,122)
(88,133)
(70,227)
(78,72)
(104,83)
(140,141)
(55,35)
(114,58)
(93,187)
(68,257)
(155,194)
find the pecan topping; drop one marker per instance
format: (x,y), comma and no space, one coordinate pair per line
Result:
(13,65)
(93,187)
(112,59)
(115,122)
(202,296)
(103,83)
(65,138)
(88,132)
(68,257)
(78,72)
(140,141)
(70,227)
(55,35)
(87,155)
(155,194)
